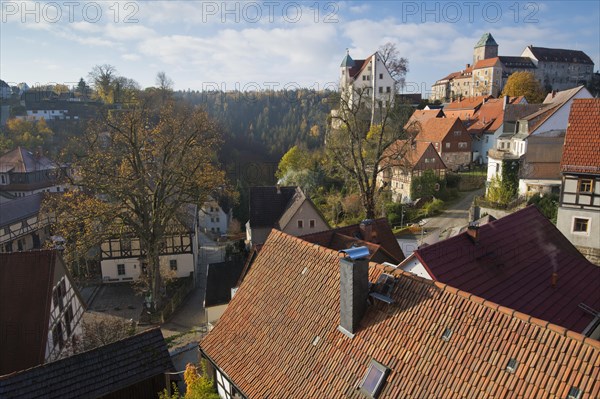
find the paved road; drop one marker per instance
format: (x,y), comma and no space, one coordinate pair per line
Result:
(191,316)
(457,215)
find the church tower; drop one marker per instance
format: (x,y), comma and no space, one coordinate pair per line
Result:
(485,48)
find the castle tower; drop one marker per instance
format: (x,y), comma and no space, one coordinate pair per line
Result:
(345,66)
(485,48)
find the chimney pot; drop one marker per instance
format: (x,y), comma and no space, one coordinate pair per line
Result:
(554,279)
(366,229)
(278,188)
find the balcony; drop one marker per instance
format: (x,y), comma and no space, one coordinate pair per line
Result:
(501,154)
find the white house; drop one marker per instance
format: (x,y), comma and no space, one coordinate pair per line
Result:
(579,207)
(283,208)
(367,81)
(552,115)
(123,259)
(214,217)
(5,90)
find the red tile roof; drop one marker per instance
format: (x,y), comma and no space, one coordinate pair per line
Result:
(410,157)
(467,103)
(419,117)
(582,142)
(512,265)
(436,129)
(487,63)
(279,338)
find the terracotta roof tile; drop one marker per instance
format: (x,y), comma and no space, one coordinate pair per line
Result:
(263,341)
(582,142)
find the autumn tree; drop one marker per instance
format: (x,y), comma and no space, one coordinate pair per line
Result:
(198,385)
(357,147)
(397,65)
(524,84)
(26,133)
(112,88)
(147,163)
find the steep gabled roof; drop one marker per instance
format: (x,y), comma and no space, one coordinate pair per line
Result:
(419,117)
(20,208)
(486,40)
(560,55)
(400,154)
(436,129)
(512,265)
(563,96)
(487,63)
(468,103)
(268,203)
(279,337)
(382,239)
(21,160)
(95,373)
(221,278)
(582,141)
(26,282)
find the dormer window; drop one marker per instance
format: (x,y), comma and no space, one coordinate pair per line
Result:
(373,381)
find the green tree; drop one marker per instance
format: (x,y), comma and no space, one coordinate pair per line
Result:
(524,84)
(147,162)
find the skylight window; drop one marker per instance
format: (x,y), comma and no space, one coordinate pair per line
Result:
(512,365)
(373,382)
(574,393)
(447,334)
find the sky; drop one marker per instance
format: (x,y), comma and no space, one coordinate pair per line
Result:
(234,45)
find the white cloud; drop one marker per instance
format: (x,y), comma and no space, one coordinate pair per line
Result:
(131,57)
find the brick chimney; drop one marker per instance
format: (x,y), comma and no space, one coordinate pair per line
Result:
(554,279)
(473,232)
(354,291)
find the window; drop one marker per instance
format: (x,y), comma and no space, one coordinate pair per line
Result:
(173,264)
(217,220)
(300,224)
(374,379)
(68,319)
(457,133)
(447,145)
(388,89)
(364,77)
(121,269)
(574,393)
(511,367)
(447,334)
(380,76)
(380,89)
(580,225)
(586,185)
(462,144)
(311,223)
(57,335)
(126,246)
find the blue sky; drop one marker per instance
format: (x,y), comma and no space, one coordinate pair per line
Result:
(256,45)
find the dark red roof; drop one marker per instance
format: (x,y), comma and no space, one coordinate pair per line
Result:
(26,280)
(582,142)
(512,265)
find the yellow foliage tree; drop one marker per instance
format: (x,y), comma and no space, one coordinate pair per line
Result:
(524,84)
(198,385)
